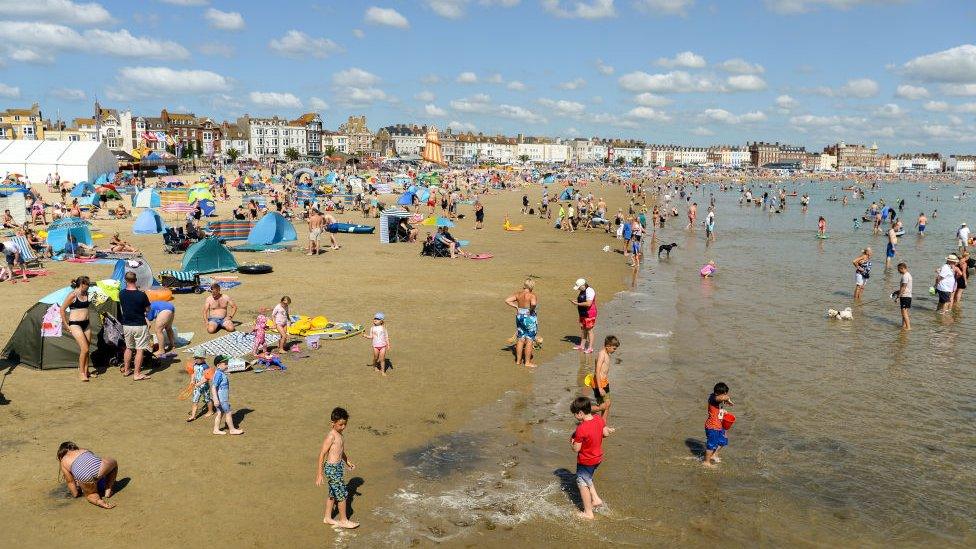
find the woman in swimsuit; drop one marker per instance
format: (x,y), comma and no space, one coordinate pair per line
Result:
(77,320)
(87,474)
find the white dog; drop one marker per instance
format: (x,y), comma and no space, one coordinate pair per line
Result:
(846,314)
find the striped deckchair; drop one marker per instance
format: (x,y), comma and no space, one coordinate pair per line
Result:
(31,260)
(229,229)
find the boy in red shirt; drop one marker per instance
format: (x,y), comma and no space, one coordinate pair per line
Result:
(587,441)
(715,437)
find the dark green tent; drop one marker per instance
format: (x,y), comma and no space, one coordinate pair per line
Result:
(26,346)
(208,256)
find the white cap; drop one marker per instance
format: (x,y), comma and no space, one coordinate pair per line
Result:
(580,282)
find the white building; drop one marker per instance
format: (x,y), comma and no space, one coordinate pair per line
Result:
(233,136)
(628,152)
(337,141)
(264,136)
(588,151)
(293,136)
(928,163)
(961,163)
(535,152)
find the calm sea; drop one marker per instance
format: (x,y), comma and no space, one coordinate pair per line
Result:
(849,433)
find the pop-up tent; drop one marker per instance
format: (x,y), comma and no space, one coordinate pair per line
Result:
(567,194)
(27,346)
(208,256)
(58,231)
(138,265)
(83,188)
(304,171)
(406,199)
(89,200)
(207,207)
(147,198)
(272,229)
(149,222)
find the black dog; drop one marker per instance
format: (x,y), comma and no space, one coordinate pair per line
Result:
(666,248)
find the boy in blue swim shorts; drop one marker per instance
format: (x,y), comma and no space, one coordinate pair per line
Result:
(715,438)
(332,465)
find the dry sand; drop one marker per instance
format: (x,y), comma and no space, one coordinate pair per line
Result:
(182,486)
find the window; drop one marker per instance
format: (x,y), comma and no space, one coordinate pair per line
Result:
(74,138)
(28,132)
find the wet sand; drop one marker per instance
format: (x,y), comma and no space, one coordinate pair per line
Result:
(180,485)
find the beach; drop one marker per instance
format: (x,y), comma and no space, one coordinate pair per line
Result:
(180,485)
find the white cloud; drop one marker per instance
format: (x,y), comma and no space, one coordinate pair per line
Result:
(467,77)
(741,66)
(938,131)
(451,9)
(143,82)
(671,82)
(10,92)
(434,110)
(593,9)
(649,114)
(216,49)
(651,100)
(966,108)
(786,102)
(317,104)
(27,55)
(58,11)
(746,82)
(295,43)
(224,20)
(430,79)
(860,87)
(461,126)
(358,33)
(355,77)
(275,100)
(563,107)
(495,79)
(607,119)
(803,6)
(701,130)
(685,59)
(123,44)
(69,94)
(807,120)
(571,131)
(959,89)
(386,16)
(574,84)
(357,87)
(906,91)
(665,7)
(479,103)
(424,96)
(363,96)
(936,106)
(603,68)
(520,113)
(889,110)
(515,85)
(46,38)
(725,117)
(956,65)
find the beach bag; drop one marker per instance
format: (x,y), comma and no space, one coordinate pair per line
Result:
(112,331)
(51,324)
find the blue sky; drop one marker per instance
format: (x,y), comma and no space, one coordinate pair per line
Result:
(901,73)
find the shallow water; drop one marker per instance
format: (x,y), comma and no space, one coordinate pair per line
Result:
(847,433)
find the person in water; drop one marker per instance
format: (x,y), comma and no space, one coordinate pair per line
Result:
(715,432)
(862,271)
(525,303)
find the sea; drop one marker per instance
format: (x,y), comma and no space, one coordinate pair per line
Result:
(849,433)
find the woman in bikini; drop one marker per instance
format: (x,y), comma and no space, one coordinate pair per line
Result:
(121,246)
(75,316)
(87,474)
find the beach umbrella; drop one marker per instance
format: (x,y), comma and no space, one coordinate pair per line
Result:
(444,222)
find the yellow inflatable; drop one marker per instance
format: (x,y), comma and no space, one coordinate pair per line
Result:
(509,227)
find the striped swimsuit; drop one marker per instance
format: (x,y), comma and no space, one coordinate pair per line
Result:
(85,467)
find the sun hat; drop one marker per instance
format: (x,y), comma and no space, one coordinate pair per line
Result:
(199,353)
(953,258)
(580,282)
(379,316)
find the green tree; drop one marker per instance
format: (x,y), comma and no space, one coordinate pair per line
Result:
(291,154)
(330,151)
(524,158)
(638,161)
(233,154)
(619,161)
(199,149)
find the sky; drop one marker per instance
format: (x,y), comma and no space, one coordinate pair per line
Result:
(901,73)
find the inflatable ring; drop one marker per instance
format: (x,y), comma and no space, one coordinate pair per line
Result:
(254,269)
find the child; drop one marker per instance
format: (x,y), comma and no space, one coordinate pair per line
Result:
(714,432)
(381,342)
(282,320)
(821,226)
(708,269)
(334,448)
(220,393)
(201,387)
(587,441)
(260,339)
(601,380)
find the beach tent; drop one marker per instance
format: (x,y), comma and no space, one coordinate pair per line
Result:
(389,220)
(148,222)
(272,229)
(199,191)
(139,265)
(81,189)
(303,171)
(101,179)
(208,207)
(330,178)
(208,256)
(406,199)
(58,231)
(27,346)
(147,198)
(160,171)
(89,200)
(567,194)
(403,179)
(17,206)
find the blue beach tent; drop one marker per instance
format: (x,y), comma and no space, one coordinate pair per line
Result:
(272,229)
(567,194)
(83,188)
(149,222)
(406,199)
(147,198)
(58,231)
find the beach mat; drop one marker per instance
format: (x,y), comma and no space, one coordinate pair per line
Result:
(261,247)
(205,284)
(234,344)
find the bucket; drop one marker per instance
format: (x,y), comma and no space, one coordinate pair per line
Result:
(588,380)
(727,421)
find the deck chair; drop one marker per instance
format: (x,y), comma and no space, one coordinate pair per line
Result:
(31,259)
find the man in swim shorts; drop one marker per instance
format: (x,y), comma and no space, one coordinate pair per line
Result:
(218,311)
(892,242)
(526,322)
(316,222)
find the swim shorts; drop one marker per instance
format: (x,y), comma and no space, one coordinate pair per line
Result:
(715,439)
(587,323)
(136,337)
(314,234)
(584,474)
(602,399)
(858,279)
(944,296)
(334,472)
(921,228)
(890,250)
(201,393)
(526,326)
(905,302)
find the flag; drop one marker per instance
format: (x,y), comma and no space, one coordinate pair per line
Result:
(149,136)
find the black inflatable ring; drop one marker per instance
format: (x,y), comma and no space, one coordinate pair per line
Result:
(254,269)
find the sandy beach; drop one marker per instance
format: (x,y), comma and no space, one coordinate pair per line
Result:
(180,485)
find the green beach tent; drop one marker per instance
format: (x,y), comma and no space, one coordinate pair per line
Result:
(208,256)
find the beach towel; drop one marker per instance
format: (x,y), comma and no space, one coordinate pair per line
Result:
(481,256)
(224,284)
(233,345)
(51,323)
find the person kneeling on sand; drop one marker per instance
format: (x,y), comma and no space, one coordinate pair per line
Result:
(87,474)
